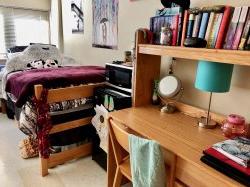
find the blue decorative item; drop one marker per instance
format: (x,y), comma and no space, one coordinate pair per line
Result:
(212,77)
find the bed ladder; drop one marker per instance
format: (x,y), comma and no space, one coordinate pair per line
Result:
(63,94)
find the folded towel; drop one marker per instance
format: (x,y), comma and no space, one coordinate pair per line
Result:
(147,163)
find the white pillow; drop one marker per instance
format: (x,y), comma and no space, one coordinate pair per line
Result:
(12,55)
(32,53)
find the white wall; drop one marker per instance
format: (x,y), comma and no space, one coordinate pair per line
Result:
(133,15)
(32,4)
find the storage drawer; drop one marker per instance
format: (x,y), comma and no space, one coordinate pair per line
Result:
(192,175)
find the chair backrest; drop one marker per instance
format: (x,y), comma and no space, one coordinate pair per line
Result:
(120,134)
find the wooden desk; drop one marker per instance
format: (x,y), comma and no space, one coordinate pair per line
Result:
(179,134)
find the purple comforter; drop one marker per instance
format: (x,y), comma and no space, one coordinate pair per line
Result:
(21,84)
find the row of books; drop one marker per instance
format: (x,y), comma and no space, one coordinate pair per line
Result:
(231,157)
(221,26)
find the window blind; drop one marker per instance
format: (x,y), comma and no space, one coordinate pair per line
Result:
(22,26)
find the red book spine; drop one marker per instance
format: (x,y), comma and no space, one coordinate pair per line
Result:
(175,23)
(223,28)
(184,29)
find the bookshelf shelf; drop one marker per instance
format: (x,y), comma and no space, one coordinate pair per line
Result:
(216,55)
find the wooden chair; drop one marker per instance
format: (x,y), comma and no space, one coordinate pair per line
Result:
(63,94)
(120,144)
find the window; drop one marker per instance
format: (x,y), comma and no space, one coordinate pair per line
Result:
(22,26)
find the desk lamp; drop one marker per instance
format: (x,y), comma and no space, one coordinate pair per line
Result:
(212,77)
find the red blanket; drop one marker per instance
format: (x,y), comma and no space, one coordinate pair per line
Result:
(21,85)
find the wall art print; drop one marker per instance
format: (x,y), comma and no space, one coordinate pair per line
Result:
(105,23)
(77,16)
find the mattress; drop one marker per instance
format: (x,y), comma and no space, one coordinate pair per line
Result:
(21,85)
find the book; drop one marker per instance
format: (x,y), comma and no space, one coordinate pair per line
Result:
(214,32)
(232,28)
(197,23)
(190,25)
(237,149)
(195,19)
(240,27)
(226,169)
(216,28)
(216,154)
(247,46)
(180,25)
(174,27)
(204,23)
(210,25)
(245,33)
(184,28)
(224,27)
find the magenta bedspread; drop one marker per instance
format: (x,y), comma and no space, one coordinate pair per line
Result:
(21,84)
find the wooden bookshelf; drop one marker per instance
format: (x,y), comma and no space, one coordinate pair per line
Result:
(178,133)
(216,55)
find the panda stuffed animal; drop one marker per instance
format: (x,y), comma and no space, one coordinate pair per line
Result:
(49,63)
(36,64)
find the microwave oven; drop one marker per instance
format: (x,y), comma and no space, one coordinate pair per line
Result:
(119,76)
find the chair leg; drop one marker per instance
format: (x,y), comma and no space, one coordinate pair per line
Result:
(44,167)
(172,172)
(118,178)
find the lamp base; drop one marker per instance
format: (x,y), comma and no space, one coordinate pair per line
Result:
(203,123)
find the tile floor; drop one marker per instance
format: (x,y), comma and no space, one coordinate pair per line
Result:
(18,172)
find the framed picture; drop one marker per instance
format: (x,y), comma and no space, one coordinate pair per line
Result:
(77,16)
(105,23)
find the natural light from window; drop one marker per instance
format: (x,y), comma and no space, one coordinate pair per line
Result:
(31,31)
(20,27)
(2,40)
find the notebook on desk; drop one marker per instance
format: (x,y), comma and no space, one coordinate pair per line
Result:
(228,167)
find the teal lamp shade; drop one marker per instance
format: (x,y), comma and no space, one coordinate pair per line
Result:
(213,76)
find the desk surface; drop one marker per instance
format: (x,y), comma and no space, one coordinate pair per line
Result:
(176,132)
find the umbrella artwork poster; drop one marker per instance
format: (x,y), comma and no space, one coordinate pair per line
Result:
(105,23)
(77,16)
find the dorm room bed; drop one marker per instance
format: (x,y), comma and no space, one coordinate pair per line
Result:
(20,86)
(46,89)
(58,95)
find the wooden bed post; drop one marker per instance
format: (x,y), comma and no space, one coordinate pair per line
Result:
(147,68)
(59,95)
(44,162)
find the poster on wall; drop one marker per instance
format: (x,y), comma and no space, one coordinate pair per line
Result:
(105,23)
(77,16)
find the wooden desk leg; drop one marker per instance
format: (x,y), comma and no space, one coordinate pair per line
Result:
(111,164)
(44,167)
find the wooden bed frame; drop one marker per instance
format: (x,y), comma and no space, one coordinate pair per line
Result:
(58,95)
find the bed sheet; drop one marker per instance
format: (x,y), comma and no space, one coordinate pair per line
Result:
(21,84)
